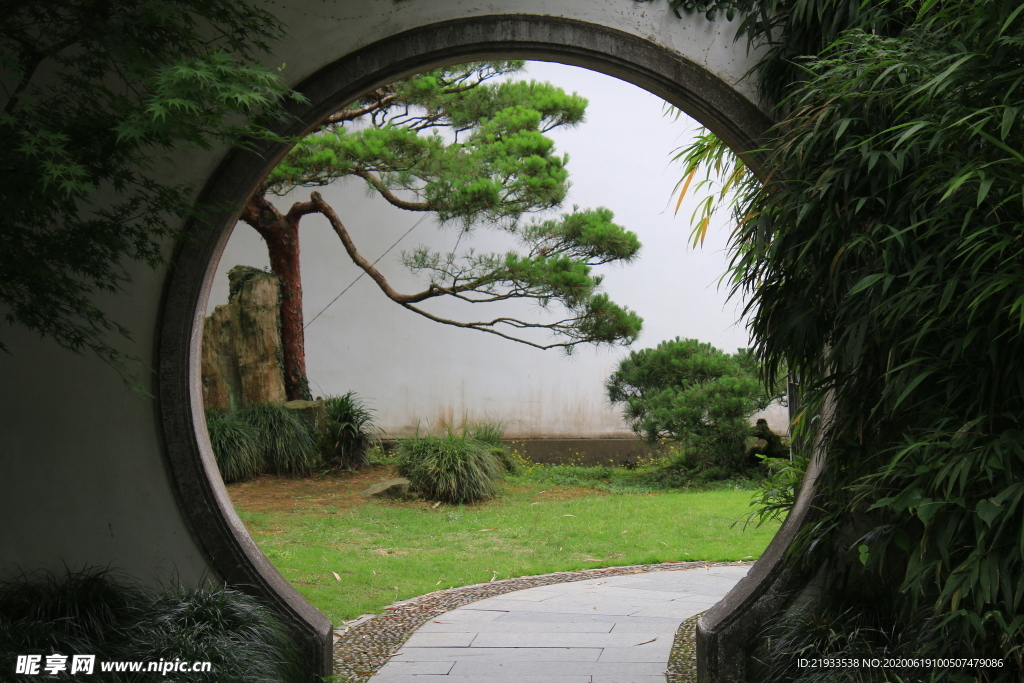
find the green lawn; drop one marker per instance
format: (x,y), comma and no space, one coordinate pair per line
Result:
(349,557)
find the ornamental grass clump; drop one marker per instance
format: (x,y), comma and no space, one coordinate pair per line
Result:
(349,431)
(454,468)
(236,446)
(96,611)
(492,434)
(287,442)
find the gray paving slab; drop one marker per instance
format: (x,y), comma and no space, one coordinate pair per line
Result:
(440,668)
(541,654)
(607,630)
(679,612)
(523,627)
(559,639)
(421,639)
(472,615)
(424,678)
(580,618)
(666,626)
(567,606)
(652,653)
(485,669)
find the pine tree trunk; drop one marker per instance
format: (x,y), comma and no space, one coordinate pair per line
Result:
(281,234)
(283,246)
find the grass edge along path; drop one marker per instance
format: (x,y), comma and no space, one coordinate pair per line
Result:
(367,644)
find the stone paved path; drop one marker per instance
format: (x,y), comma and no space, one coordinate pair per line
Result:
(617,629)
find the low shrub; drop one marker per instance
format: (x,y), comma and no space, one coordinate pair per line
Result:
(454,468)
(691,393)
(100,612)
(236,446)
(349,432)
(287,441)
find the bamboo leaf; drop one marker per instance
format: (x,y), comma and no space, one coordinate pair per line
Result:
(686,186)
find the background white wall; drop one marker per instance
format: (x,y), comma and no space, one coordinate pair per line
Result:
(413,371)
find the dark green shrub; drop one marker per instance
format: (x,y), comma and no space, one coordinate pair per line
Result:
(286,439)
(236,445)
(97,611)
(693,393)
(349,431)
(454,468)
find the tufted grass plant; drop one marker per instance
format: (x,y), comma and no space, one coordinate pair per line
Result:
(78,612)
(453,468)
(236,445)
(493,434)
(843,628)
(287,441)
(243,639)
(102,612)
(349,432)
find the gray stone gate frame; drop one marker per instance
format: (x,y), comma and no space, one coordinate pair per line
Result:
(612,42)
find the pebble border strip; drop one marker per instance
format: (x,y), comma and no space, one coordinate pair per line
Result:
(682,661)
(365,645)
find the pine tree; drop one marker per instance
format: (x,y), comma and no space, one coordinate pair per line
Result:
(471,148)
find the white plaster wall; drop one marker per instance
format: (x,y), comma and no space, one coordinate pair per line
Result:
(416,372)
(82,476)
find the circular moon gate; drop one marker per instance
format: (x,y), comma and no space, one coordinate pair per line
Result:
(230,551)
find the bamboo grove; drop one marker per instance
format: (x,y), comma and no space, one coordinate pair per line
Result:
(881,249)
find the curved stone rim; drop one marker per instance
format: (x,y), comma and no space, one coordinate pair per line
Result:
(201,496)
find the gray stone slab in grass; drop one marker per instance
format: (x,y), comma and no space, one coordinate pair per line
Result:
(628,678)
(392,488)
(439,626)
(524,654)
(420,639)
(513,640)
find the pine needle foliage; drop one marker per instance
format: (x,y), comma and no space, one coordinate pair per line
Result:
(452,468)
(102,612)
(882,256)
(236,445)
(287,441)
(688,391)
(349,431)
(469,145)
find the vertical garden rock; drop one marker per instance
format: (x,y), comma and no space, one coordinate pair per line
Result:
(241,354)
